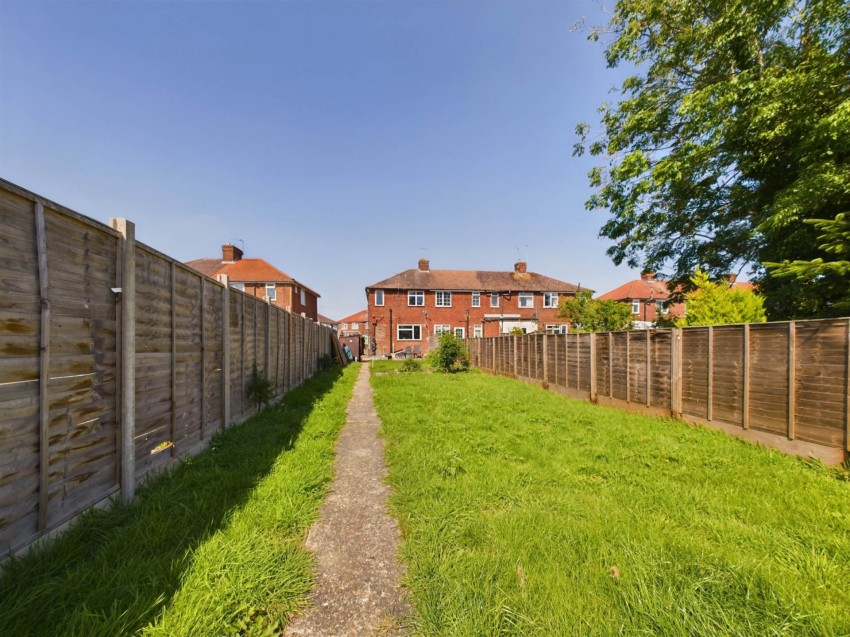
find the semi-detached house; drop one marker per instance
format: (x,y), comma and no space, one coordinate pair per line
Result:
(407,309)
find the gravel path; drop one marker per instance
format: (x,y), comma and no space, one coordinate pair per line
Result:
(355,541)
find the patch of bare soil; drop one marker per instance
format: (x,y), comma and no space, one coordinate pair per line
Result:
(355,541)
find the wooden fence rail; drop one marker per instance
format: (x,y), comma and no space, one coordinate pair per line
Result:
(116,360)
(784,384)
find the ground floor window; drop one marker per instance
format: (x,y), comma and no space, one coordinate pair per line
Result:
(459,332)
(442,329)
(409,333)
(556,328)
(477,331)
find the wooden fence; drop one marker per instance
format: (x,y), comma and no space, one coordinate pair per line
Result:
(782,384)
(116,360)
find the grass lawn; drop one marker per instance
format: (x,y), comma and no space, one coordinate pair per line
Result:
(213,548)
(526,513)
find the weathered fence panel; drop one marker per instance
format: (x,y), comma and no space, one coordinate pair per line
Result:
(62,297)
(786,384)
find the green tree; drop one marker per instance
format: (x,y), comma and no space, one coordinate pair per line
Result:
(713,303)
(450,355)
(731,134)
(587,314)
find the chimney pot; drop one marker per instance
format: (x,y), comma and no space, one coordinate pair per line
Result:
(520,267)
(424,265)
(230,253)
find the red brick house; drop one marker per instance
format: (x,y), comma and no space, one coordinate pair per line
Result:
(355,328)
(647,296)
(260,278)
(408,308)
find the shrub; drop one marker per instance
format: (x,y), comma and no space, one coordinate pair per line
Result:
(451,354)
(411,365)
(260,388)
(326,362)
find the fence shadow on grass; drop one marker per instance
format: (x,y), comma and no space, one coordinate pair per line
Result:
(124,564)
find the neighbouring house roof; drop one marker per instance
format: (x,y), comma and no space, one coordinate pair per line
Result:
(325,320)
(638,289)
(246,271)
(358,317)
(474,280)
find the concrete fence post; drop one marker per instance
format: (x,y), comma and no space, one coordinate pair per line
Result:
(127,230)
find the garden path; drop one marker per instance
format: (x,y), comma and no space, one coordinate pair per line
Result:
(355,541)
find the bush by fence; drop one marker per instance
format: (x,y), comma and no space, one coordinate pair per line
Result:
(784,384)
(115,360)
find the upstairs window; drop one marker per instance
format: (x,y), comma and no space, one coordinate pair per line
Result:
(444,299)
(526,300)
(550,299)
(476,299)
(635,307)
(416,298)
(238,286)
(271,291)
(379,297)
(494,300)
(303,297)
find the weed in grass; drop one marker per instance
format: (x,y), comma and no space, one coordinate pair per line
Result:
(212,548)
(526,513)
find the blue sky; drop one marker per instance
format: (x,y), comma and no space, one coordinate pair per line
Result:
(340,141)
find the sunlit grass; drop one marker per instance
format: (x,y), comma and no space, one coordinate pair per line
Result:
(527,513)
(213,548)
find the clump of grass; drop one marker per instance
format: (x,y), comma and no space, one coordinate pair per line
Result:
(526,513)
(212,548)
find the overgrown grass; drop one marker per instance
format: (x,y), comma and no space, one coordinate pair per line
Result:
(527,513)
(212,548)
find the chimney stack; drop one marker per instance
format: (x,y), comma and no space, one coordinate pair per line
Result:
(647,276)
(520,267)
(230,253)
(424,265)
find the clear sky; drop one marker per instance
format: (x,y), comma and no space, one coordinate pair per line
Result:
(340,141)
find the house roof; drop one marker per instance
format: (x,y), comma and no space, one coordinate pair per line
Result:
(638,289)
(358,317)
(246,271)
(651,289)
(476,280)
(327,321)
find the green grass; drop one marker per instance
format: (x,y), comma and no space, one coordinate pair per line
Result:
(212,548)
(527,513)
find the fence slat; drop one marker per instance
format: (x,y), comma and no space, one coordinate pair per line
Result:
(43,370)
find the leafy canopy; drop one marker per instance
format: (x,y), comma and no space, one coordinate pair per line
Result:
(587,314)
(450,355)
(713,303)
(733,133)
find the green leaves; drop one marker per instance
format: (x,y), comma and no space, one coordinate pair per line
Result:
(587,314)
(735,131)
(712,303)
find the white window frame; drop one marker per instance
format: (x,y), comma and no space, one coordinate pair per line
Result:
(556,328)
(355,325)
(414,329)
(441,329)
(523,298)
(238,286)
(635,307)
(494,299)
(303,297)
(379,298)
(459,332)
(442,298)
(415,298)
(660,308)
(550,299)
(476,299)
(477,331)
(273,288)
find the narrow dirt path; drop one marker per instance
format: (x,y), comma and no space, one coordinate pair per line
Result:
(355,541)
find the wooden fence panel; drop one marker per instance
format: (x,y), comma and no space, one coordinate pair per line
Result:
(821,381)
(237,355)
(213,349)
(619,359)
(637,355)
(695,372)
(768,377)
(660,385)
(188,366)
(728,374)
(154,391)
(604,343)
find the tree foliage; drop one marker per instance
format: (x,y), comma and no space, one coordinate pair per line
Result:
(718,303)
(733,132)
(587,314)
